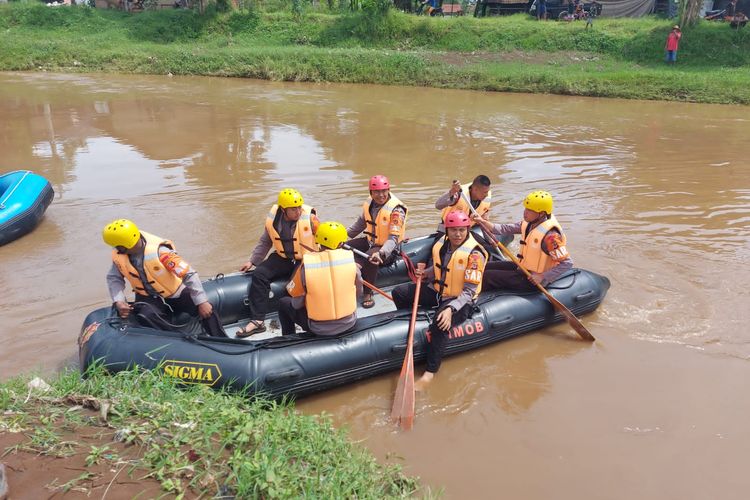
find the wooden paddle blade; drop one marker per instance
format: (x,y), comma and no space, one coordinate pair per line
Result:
(402,412)
(399,396)
(574,322)
(403,401)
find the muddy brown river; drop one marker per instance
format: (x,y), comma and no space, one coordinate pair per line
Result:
(654,195)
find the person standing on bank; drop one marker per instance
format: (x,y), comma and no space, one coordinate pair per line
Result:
(157,275)
(454,282)
(323,291)
(673,43)
(290,231)
(543,248)
(383,222)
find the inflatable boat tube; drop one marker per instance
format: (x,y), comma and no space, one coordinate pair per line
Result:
(24,197)
(300,364)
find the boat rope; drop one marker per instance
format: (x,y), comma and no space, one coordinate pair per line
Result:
(2,203)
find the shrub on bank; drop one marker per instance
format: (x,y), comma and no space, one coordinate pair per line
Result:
(199,439)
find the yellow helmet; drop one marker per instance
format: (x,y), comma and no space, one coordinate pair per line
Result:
(290,198)
(331,234)
(539,201)
(121,233)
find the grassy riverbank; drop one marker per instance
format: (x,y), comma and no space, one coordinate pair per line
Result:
(189,440)
(618,58)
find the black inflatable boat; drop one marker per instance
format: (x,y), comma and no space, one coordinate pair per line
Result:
(301,364)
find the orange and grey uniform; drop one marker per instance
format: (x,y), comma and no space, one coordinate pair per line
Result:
(543,247)
(458,274)
(448,203)
(158,272)
(383,225)
(455,279)
(326,285)
(287,238)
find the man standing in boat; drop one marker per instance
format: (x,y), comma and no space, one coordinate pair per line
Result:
(159,277)
(543,248)
(290,231)
(383,222)
(324,289)
(455,280)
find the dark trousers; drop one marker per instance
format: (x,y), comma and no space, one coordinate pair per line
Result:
(503,275)
(288,316)
(369,270)
(273,268)
(182,304)
(403,297)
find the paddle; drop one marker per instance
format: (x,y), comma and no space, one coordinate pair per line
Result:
(366,283)
(574,322)
(403,401)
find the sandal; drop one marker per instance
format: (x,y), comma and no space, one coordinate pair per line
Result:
(368,301)
(251,328)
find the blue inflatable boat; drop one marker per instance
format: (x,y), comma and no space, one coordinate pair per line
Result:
(24,197)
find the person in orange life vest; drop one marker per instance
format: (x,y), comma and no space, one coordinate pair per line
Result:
(158,276)
(323,290)
(543,248)
(478,192)
(383,222)
(290,231)
(454,282)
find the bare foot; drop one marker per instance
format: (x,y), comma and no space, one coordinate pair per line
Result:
(422,384)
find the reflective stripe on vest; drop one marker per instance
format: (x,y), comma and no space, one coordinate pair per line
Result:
(380,229)
(330,278)
(532,257)
(302,233)
(161,279)
(482,208)
(456,268)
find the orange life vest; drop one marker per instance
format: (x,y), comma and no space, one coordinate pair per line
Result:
(381,229)
(482,208)
(330,277)
(460,268)
(532,257)
(161,279)
(303,234)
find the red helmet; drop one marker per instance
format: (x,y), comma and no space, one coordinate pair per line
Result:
(378,182)
(457,218)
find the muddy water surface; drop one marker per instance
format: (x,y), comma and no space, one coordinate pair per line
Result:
(654,195)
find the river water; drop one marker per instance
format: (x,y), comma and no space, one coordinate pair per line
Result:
(654,195)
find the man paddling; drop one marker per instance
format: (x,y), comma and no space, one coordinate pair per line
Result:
(454,282)
(543,247)
(383,222)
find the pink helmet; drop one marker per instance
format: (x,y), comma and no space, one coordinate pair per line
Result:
(378,182)
(457,218)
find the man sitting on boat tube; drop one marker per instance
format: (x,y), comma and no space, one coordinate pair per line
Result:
(290,231)
(324,289)
(544,252)
(383,222)
(479,194)
(158,275)
(455,281)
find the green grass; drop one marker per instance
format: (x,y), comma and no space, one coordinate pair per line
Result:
(618,58)
(196,439)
